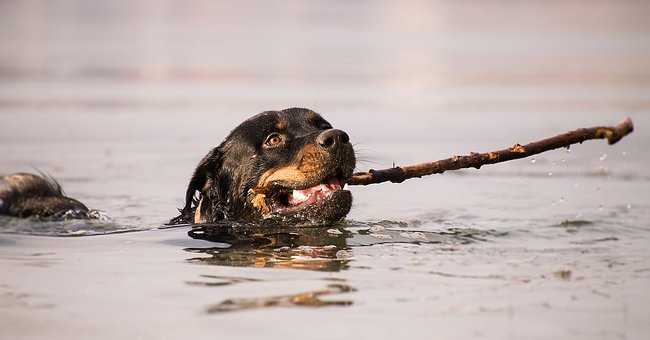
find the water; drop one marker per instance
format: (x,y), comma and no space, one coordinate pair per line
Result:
(120,100)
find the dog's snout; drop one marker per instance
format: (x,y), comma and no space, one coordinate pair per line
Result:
(332,138)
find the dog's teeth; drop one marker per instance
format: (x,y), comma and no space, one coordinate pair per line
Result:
(314,193)
(297,197)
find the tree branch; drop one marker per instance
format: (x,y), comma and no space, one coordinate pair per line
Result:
(475,160)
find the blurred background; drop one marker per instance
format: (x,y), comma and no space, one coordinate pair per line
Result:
(121,98)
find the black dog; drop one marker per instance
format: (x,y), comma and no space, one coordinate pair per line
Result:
(288,165)
(279,166)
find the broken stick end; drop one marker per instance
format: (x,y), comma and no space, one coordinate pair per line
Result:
(621,130)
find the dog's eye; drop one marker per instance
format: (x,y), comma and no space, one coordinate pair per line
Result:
(273,140)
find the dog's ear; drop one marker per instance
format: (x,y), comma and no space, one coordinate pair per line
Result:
(210,164)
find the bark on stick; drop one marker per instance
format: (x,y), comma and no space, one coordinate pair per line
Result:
(475,160)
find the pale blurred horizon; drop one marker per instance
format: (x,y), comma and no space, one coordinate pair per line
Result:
(411,54)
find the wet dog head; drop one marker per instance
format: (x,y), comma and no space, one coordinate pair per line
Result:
(289,165)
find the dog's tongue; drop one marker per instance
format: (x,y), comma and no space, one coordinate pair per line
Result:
(311,195)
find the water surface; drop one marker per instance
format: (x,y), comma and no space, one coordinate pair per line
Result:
(119,101)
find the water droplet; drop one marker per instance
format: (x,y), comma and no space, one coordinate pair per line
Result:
(629,207)
(550,173)
(568,149)
(624,153)
(99,215)
(532,161)
(603,157)
(563,160)
(561,200)
(600,207)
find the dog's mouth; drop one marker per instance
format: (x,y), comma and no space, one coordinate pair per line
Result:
(286,200)
(311,189)
(318,199)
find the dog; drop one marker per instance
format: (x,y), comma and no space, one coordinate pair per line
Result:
(26,195)
(287,167)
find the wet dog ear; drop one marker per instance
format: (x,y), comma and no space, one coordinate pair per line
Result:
(211,163)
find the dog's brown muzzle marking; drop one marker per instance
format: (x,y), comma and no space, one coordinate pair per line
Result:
(318,170)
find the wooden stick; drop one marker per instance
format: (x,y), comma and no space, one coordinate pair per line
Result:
(475,160)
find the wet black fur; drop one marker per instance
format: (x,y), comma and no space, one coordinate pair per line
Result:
(27,195)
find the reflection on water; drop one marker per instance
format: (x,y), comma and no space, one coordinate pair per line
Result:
(348,233)
(261,235)
(573,226)
(305,299)
(323,258)
(328,248)
(216,281)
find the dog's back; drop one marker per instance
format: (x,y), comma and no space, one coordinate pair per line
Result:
(25,194)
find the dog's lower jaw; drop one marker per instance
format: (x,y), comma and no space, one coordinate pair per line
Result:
(257,210)
(332,210)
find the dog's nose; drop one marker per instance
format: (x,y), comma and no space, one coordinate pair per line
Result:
(332,138)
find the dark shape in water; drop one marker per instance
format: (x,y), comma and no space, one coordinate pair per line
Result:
(253,245)
(349,233)
(27,195)
(263,235)
(563,274)
(595,241)
(217,281)
(311,258)
(305,299)
(572,226)
(576,223)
